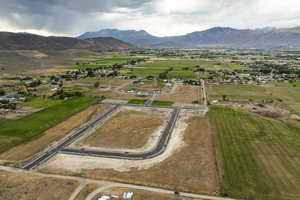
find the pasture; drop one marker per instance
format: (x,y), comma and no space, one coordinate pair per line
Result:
(15,132)
(259,158)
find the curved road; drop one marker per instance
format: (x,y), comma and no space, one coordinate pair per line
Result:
(156,151)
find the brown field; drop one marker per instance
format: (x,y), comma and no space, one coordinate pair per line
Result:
(109,94)
(191,168)
(16,186)
(141,194)
(86,191)
(21,152)
(128,129)
(182,94)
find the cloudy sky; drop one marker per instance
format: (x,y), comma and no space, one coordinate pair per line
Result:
(158,17)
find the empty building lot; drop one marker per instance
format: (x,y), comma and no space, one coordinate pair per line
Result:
(188,163)
(130,128)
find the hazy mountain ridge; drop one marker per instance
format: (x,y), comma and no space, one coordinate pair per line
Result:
(268,37)
(23,41)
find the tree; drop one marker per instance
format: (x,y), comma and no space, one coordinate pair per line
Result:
(225,97)
(97,84)
(2,92)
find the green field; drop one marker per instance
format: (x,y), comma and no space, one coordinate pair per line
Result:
(104,62)
(137,101)
(41,102)
(162,103)
(259,158)
(14,132)
(184,69)
(288,94)
(239,92)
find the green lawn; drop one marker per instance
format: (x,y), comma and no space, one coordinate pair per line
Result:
(259,158)
(137,101)
(162,103)
(14,132)
(41,102)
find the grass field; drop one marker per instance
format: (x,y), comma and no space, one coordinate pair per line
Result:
(104,62)
(41,102)
(239,92)
(181,68)
(162,103)
(259,158)
(137,101)
(25,129)
(288,94)
(17,186)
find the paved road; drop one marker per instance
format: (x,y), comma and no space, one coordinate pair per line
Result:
(156,151)
(61,147)
(196,107)
(32,164)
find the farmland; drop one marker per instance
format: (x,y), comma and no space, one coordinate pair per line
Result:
(259,158)
(14,132)
(237,92)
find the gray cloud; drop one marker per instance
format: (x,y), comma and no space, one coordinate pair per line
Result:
(161,17)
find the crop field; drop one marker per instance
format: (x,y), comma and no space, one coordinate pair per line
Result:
(239,92)
(41,102)
(184,69)
(259,158)
(104,62)
(14,132)
(288,94)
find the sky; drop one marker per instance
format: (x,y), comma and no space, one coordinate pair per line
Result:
(158,17)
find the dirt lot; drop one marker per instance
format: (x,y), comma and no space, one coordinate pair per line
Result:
(15,186)
(183,94)
(55,133)
(86,191)
(111,94)
(189,167)
(129,129)
(141,194)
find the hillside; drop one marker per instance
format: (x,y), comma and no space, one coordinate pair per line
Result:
(21,41)
(214,37)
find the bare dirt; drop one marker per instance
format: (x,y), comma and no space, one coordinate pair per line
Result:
(188,163)
(86,191)
(16,186)
(140,194)
(129,129)
(182,94)
(21,152)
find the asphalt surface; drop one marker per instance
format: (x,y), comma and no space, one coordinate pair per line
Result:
(62,146)
(196,107)
(32,164)
(156,151)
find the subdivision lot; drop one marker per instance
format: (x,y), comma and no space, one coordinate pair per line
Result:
(188,163)
(182,94)
(16,186)
(260,157)
(141,194)
(131,128)
(52,134)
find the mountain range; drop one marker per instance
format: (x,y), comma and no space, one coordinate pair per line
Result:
(25,41)
(215,37)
